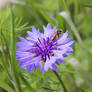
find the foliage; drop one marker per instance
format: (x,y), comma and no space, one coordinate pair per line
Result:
(18,17)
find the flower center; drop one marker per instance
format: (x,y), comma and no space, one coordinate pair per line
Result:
(44,48)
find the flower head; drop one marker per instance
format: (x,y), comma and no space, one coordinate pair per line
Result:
(49,47)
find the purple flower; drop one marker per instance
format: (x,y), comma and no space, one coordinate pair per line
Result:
(45,50)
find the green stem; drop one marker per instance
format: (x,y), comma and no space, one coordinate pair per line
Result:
(60,80)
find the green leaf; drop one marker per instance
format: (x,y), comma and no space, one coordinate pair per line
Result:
(86,3)
(13,52)
(6,86)
(26,83)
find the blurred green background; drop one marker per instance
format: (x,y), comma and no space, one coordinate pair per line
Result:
(18,16)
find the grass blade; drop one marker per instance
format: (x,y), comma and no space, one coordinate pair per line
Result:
(13,53)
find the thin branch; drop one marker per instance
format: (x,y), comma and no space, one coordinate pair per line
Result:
(60,80)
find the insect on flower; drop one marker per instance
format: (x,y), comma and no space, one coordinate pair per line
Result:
(49,47)
(56,35)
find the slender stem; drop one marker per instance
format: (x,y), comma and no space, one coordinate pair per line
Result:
(61,82)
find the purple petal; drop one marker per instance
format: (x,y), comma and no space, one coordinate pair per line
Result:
(49,62)
(54,67)
(33,61)
(60,53)
(34,35)
(25,58)
(48,31)
(60,60)
(66,45)
(30,68)
(65,42)
(63,37)
(21,38)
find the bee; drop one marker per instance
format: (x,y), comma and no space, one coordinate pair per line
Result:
(56,35)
